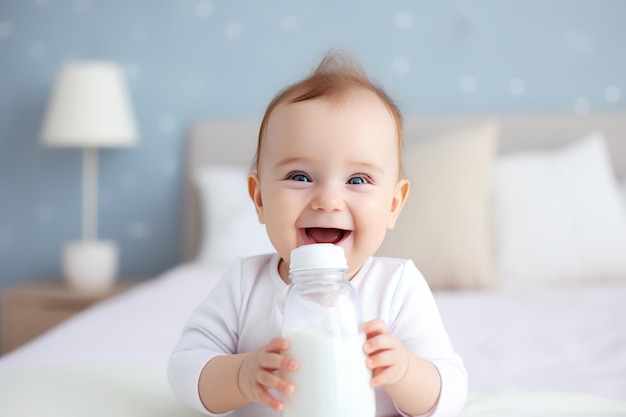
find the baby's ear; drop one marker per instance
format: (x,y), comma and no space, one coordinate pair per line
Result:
(254,190)
(400,195)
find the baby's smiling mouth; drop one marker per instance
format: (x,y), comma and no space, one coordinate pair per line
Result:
(326,235)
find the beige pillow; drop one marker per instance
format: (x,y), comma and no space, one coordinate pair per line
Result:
(444,226)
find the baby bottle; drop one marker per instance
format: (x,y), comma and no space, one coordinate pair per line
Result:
(322,318)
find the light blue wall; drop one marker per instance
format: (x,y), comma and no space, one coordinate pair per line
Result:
(188,58)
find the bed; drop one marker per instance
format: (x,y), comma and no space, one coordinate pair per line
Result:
(518,222)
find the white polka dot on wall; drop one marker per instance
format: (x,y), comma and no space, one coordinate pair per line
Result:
(289,23)
(517,86)
(6,29)
(129,182)
(81,6)
(193,84)
(132,70)
(104,198)
(468,84)
(612,94)
(401,65)
(167,124)
(404,20)
(139,230)
(233,31)
(44,214)
(138,33)
(582,106)
(169,167)
(578,43)
(203,9)
(37,51)
(5,235)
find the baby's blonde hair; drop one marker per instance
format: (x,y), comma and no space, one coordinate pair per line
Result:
(335,77)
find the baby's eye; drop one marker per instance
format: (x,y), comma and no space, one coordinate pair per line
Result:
(298,176)
(358,180)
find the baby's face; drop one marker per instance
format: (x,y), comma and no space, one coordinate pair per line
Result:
(328,172)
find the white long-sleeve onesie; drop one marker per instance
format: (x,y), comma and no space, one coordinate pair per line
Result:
(244,311)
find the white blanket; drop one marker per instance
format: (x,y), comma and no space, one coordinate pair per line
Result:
(134,390)
(544,352)
(94,390)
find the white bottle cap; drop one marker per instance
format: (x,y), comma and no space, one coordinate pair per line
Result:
(318,256)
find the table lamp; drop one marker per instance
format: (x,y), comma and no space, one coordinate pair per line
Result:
(89,108)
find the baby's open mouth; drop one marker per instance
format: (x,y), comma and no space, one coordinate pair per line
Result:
(326,235)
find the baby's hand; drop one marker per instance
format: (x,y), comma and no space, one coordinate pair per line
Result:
(257,374)
(386,355)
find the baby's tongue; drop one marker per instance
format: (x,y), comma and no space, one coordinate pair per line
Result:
(324,235)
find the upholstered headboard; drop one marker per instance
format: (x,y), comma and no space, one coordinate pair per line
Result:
(234,142)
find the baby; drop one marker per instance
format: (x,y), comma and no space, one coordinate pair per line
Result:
(328,169)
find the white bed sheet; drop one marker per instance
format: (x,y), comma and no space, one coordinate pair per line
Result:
(567,339)
(141,325)
(554,345)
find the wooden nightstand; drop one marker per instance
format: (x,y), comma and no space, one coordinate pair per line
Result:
(29,310)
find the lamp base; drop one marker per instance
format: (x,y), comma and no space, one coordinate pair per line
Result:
(90,265)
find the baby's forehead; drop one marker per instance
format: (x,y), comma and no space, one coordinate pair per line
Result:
(360,100)
(363,115)
(361,111)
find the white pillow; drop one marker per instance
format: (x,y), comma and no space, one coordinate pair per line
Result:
(444,225)
(230,226)
(559,216)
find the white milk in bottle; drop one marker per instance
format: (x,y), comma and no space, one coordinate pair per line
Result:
(322,321)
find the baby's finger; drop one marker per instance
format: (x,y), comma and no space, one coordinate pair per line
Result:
(274,361)
(380,342)
(270,380)
(374,327)
(266,398)
(278,344)
(382,359)
(382,377)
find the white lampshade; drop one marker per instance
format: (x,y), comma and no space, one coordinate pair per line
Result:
(89,107)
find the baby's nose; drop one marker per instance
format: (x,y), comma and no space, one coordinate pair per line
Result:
(329,198)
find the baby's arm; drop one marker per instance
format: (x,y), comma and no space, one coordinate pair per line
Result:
(230,381)
(411,381)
